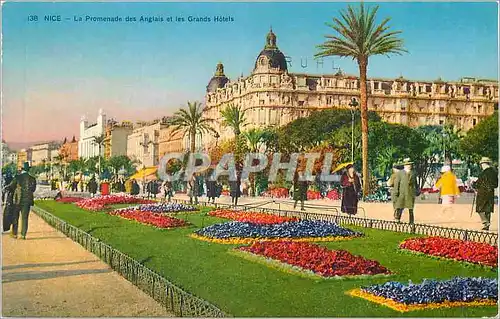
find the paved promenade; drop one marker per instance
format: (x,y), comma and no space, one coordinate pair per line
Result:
(49,275)
(427,211)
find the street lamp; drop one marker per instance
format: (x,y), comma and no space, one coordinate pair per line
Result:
(444,148)
(352,105)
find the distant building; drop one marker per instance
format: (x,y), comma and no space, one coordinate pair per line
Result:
(143,143)
(69,150)
(116,138)
(42,153)
(23,156)
(272,96)
(86,146)
(170,142)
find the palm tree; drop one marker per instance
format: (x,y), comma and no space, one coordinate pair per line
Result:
(254,137)
(359,37)
(234,117)
(190,120)
(99,141)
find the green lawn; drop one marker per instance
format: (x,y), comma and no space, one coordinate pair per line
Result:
(244,288)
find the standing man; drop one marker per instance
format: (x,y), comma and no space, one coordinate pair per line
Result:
(485,186)
(299,191)
(24,185)
(405,189)
(396,168)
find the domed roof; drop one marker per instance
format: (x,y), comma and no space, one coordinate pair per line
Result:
(274,56)
(218,80)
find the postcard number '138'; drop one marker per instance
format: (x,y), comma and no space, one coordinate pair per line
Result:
(32,18)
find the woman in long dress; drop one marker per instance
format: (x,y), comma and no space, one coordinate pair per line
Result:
(351,185)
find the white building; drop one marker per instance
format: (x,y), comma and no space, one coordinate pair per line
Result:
(143,143)
(86,146)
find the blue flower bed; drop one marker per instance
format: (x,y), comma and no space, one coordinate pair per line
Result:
(432,291)
(298,229)
(163,208)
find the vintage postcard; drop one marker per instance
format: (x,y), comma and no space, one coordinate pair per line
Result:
(249,159)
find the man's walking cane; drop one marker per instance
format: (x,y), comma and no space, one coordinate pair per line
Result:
(473,202)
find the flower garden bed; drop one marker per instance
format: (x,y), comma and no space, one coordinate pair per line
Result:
(454,249)
(165,208)
(250,217)
(304,230)
(148,218)
(334,195)
(312,195)
(99,203)
(431,294)
(313,260)
(279,192)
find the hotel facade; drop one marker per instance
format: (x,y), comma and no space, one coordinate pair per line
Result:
(272,96)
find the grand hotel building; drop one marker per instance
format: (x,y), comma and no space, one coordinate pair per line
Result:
(273,96)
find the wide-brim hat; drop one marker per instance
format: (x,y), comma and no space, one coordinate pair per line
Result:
(407,161)
(397,165)
(349,166)
(485,160)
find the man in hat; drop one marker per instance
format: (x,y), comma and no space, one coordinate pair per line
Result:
(24,185)
(405,191)
(396,167)
(485,186)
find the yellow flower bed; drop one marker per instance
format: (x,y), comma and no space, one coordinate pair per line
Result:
(244,240)
(394,305)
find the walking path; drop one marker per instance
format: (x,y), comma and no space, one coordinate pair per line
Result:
(50,275)
(426,211)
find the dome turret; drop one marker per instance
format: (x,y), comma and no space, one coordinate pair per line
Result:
(218,80)
(271,56)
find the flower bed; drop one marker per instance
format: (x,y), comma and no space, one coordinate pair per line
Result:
(457,292)
(478,253)
(303,230)
(313,195)
(316,260)
(69,199)
(333,195)
(99,203)
(154,219)
(279,192)
(166,208)
(250,217)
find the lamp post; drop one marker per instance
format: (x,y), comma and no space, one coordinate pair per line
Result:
(352,105)
(444,148)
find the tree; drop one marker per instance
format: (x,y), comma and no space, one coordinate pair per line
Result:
(117,162)
(432,154)
(99,141)
(234,117)
(359,37)
(254,138)
(482,140)
(77,165)
(191,121)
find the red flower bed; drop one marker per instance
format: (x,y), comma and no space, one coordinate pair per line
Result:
(225,192)
(279,192)
(99,203)
(457,249)
(69,199)
(154,219)
(251,217)
(333,195)
(318,259)
(313,195)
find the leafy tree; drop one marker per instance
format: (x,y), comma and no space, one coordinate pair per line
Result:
(10,168)
(358,36)
(100,141)
(190,121)
(254,138)
(428,160)
(117,162)
(77,165)
(482,140)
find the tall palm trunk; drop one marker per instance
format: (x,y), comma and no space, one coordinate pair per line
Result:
(193,141)
(363,64)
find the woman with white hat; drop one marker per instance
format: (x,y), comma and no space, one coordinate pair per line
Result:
(447,183)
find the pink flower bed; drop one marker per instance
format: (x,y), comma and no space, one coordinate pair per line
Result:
(99,203)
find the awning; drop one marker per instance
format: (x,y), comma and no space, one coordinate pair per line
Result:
(148,173)
(341,166)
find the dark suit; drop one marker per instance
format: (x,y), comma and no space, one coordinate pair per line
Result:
(485,200)
(23,202)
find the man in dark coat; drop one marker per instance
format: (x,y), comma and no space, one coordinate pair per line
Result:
(24,186)
(351,187)
(8,202)
(136,189)
(485,186)
(405,190)
(211,187)
(299,191)
(234,189)
(92,186)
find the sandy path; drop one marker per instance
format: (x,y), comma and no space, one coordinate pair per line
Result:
(50,275)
